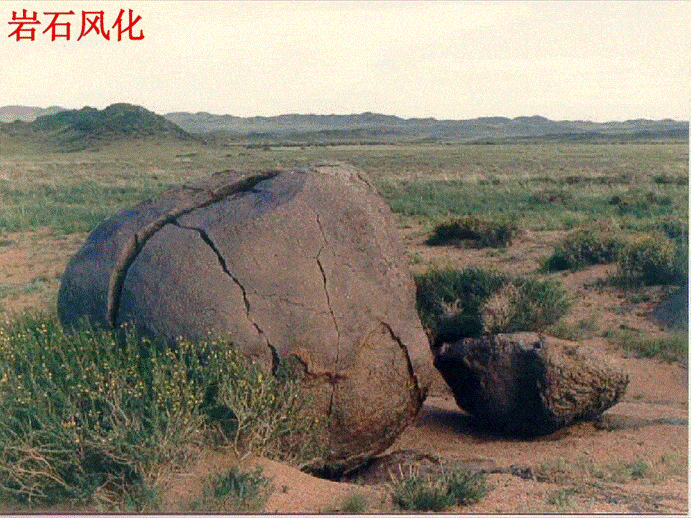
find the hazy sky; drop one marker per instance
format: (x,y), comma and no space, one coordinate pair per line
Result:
(450,60)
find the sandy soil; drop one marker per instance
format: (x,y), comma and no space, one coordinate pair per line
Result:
(580,469)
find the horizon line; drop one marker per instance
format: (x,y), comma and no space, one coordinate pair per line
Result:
(287,114)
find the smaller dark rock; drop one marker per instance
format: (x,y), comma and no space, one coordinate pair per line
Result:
(518,384)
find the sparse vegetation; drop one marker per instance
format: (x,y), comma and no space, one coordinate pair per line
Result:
(67,208)
(442,492)
(584,328)
(480,232)
(582,469)
(455,304)
(636,187)
(353,503)
(650,259)
(236,492)
(674,347)
(88,417)
(584,247)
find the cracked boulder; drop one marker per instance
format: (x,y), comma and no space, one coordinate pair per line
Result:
(303,264)
(524,384)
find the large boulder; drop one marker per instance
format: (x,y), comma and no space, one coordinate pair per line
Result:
(525,384)
(303,264)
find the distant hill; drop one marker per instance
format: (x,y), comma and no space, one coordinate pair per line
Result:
(77,129)
(88,126)
(375,126)
(26,113)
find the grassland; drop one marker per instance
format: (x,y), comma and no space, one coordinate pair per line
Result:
(546,186)
(50,198)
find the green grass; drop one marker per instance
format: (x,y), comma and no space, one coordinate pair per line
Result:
(438,493)
(674,347)
(483,232)
(583,248)
(235,491)
(524,201)
(582,470)
(461,303)
(651,259)
(424,180)
(65,208)
(88,417)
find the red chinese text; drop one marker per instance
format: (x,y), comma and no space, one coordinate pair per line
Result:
(58,25)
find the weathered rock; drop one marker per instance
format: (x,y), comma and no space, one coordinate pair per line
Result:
(304,263)
(523,384)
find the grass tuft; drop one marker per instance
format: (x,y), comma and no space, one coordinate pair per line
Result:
(239,491)
(584,248)
(651,260)
(674,347)
(427,492)
(479,231)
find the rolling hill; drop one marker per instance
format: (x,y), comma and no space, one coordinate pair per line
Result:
(379,127)
(88,127)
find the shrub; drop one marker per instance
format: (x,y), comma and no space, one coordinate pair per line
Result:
(583,248)
(353,503)
(427,492)
(237,491)
(484,232)
(263,414)
(459,303)
(636,201)
(649,260)
(90,417)
(675,229)
(547,196)
(534,305)
(441,293)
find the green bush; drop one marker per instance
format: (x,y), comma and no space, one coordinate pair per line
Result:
(548,196)
(636,201)
(237,491)
(537,305)
(88,417)
(426,492)
(483,231)
(445,294)
(453,304)
(650,260)
(583,248)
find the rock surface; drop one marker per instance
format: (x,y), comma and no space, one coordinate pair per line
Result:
(524,384)
(304,263)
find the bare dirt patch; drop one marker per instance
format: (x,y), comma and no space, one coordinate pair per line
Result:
(30,267)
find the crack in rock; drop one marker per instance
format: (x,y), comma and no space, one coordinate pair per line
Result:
(419,393)
(333,316)
(136,242)
(275,359)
